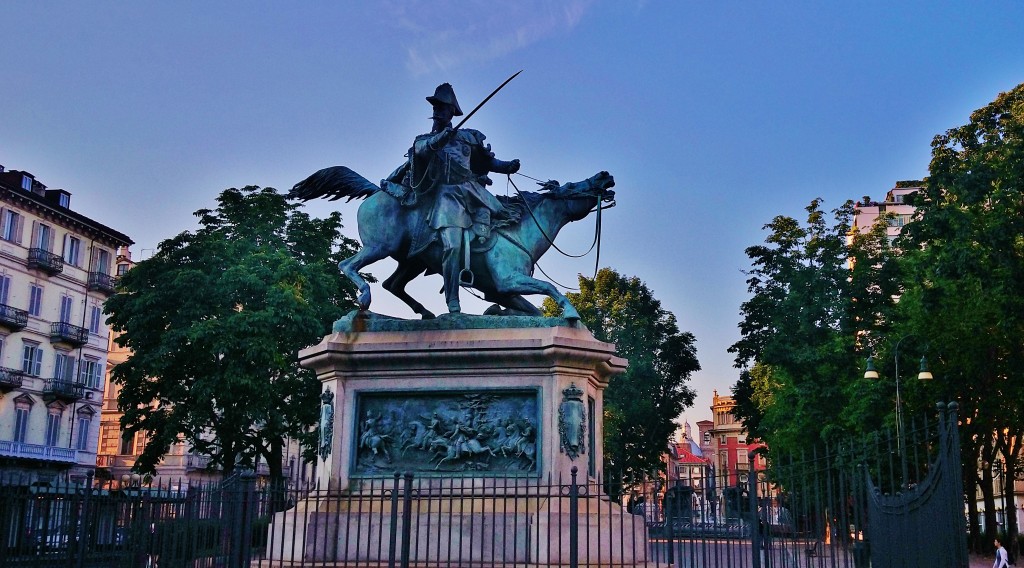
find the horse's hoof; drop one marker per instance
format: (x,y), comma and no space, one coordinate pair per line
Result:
(571,314)
(427,315)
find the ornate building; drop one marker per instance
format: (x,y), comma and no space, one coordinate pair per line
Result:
(55,273)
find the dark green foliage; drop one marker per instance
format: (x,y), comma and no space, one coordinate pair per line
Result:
(214,321)
(800,350)
(965,283)
(641,405)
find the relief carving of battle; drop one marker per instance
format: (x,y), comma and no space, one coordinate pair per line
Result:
(480,432)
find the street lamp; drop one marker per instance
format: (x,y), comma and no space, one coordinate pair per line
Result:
(870,372)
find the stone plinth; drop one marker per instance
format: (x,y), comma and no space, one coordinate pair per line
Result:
(489,414)
(396,374)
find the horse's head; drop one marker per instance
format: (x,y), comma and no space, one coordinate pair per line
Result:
(597,186)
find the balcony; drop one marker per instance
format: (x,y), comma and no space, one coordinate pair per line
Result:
(12,449)
(64,332)
(64,390)
(101,282)
(10,379)
(12,318)
(46,261)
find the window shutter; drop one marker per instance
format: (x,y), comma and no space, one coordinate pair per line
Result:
(3,224)
(19,229)
(34,242)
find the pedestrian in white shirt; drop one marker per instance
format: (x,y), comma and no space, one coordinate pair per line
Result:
(1001,561)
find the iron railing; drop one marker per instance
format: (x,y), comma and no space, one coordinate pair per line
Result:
(101,282)
(13,318)
(45,260)
(64,332)
(848,505)
(63,389)
(10,379)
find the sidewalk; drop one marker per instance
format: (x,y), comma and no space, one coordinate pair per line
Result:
(982,561)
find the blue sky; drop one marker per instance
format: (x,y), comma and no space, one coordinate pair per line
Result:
(712,116)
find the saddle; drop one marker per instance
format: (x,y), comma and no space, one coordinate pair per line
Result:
(423,234)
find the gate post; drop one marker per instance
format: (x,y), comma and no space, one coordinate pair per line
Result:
(82,531)
(755,514)
(574,527)
(957,483)
(393,536)
(406,519)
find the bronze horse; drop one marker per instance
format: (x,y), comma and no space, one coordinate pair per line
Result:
(503,268)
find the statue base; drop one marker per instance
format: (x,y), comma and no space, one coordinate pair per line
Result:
(488,415)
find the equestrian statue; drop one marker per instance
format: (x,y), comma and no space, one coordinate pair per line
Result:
(434,214)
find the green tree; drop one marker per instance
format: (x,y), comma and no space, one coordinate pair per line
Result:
(640,405)
(804,325)
(214,321)
(964,266)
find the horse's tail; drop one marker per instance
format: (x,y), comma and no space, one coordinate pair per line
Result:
(334,183)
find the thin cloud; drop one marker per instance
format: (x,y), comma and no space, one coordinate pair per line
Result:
(442,35)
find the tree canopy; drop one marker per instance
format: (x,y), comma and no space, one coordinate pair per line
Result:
(951,287)
(964,264)
(214,321)
(816,290)
(641,405)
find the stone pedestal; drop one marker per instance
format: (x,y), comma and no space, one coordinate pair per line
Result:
(479,409)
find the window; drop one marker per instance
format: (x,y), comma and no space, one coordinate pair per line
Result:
(5,288)
(84,425)
(101,261)
(31,358)
(26,183)
(35,300)
(67,308)
(12,223)
(127,444)
(89,373)
(53,425)
(72,250)
(721,440)
(122,269)
(64,200)
(64,367)
(21,422)
(95,319)
(43,237)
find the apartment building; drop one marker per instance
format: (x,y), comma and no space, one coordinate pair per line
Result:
(56,270)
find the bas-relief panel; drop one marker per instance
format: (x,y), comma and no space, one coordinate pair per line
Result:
(485,432)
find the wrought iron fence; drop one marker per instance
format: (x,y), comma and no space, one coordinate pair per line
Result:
(839,506)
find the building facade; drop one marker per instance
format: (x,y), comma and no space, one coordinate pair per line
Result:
(56,271)
(725,443)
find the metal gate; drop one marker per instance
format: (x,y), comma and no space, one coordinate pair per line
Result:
(887,501)
(880,502)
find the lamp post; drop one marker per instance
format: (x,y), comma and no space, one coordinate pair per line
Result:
(923,375)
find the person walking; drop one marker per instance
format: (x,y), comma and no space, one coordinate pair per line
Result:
(1001,558)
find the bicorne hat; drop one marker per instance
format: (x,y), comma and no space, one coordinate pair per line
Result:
(445,94)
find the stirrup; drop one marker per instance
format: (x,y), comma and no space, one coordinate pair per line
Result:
(466,277)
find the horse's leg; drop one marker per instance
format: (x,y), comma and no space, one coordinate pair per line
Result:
(515,302)
(514,284)
(396,283)
(351,266)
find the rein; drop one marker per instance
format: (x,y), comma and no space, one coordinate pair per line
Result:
(596,243)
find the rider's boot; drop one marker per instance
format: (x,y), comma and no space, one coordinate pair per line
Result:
(451,241)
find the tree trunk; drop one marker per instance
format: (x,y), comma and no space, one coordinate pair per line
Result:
(988,498)
(971,484)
